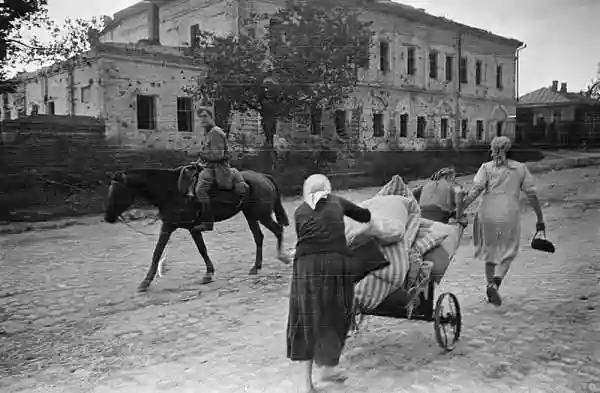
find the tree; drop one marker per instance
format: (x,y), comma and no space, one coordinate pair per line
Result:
(308,59)
(25,22)
(593,90)
(14,15)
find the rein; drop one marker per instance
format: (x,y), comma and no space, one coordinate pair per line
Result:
(124,221)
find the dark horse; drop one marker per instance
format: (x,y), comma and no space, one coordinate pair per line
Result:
(161,188)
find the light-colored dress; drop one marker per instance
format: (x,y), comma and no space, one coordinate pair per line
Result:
(496,228)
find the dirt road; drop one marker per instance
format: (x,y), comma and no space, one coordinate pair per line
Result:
(73,322)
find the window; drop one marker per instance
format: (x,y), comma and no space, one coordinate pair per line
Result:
(85,93)
(195,36)
(478,73)
(146,112)
(449,70)
(479,130)
(340,122)
(410,61)
(464,128)
(384,56)
(421,125)
(403,125)
(433,64)
(462,69)
(499,85)
(378,127)
(444,128)
(251,32)
(316,117)
(51,108)
(499,128)
(185,112)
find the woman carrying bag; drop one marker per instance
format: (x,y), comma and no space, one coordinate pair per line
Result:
(496,228)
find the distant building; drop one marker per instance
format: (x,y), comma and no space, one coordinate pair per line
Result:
(429,78)
(554,115)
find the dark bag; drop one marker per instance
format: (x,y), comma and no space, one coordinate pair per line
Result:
(541,243)
(366,258)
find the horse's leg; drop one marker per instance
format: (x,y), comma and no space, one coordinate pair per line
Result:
(277,230)
(166,230)
(210,268)
(258,240)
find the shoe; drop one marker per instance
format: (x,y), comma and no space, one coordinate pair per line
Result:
(493,295)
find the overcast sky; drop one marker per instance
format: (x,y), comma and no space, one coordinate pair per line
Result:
(561,35)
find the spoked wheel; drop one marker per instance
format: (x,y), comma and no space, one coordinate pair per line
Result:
(447,321)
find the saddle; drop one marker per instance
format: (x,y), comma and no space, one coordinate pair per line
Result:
(223,189)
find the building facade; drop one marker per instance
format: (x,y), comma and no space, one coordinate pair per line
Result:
(430,80)
(556,116)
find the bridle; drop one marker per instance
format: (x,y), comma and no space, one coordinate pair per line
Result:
(120,217)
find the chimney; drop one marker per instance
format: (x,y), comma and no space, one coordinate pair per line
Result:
(563,87)
(153,24)
(554,85)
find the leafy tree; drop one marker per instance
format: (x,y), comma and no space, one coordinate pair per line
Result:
(25,22)
(308,59)
(14,15)
(593,90)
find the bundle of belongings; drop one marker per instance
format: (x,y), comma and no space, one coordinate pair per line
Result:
(416,249)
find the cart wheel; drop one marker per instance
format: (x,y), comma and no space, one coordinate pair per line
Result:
(447,317)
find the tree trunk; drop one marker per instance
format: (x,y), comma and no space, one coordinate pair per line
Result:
(269,126)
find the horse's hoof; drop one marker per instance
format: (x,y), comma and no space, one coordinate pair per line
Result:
(207,279)
(253,271)
(143,287)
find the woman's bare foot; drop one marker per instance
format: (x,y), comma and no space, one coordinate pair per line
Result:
(330,374)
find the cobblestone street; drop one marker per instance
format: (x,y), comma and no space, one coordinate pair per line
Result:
(72,321)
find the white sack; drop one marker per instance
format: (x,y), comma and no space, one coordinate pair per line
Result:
(389,216)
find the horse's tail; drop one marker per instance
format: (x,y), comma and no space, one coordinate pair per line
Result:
(280,214)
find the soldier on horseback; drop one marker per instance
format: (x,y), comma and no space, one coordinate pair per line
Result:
(214,160)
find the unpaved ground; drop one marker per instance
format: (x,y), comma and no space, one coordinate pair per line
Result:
(73,322)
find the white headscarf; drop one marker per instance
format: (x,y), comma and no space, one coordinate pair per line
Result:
(316,187)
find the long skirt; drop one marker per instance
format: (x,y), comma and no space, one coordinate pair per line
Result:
(321,299)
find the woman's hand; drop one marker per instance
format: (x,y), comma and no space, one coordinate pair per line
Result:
(540,226)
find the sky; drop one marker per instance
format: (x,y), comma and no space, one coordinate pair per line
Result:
(561,35)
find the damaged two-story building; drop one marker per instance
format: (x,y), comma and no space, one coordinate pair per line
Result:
(430,80)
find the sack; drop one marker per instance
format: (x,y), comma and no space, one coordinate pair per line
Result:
(454,232)
(542,244)
(365,259)
(389,216)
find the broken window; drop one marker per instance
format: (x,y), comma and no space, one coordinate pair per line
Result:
(480,130)
(499,128)
(444,128)
(499,85)
(410,61)
(464,128)
(462,69)
(404,125)
(433,64)
(421,125)
(478,75)
(384,56)
(340,122)
(195,36)
(316,117)
(378,127)
(449,68)
(146,112)
(185,118)
(85,93)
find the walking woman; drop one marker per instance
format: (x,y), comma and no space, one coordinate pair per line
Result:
(438,196)
(322,291)
(496,228)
